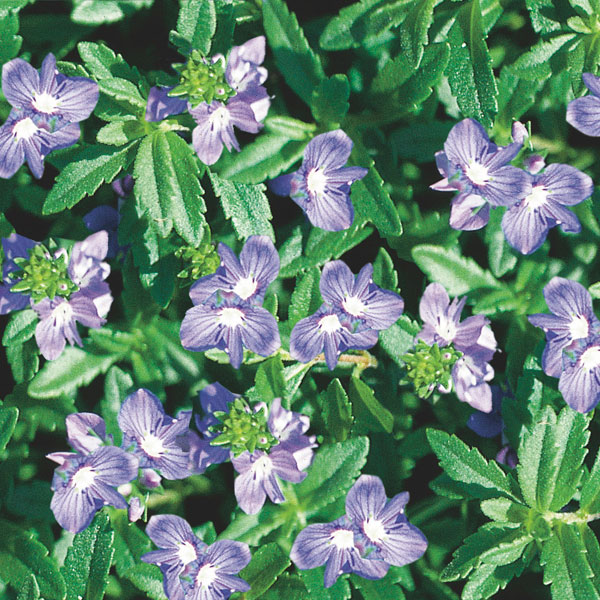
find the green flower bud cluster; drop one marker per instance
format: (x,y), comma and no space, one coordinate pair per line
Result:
(243,429)
(430,367)
(202,81)
(43,275)
(199,261)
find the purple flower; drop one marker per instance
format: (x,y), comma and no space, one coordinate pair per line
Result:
(86,432)
(470,375)
(358,297)
(507,456)
(383,524)
(584,113)
(83,484)
(14,246)
(479,170)
(105,218)
(160,105)
(336,546)
(227,322)
(329,331)
(135,510)
(243,70)
(321,186)
(490,424)
(247,277)
(572,319)
(157,439)
(526,223)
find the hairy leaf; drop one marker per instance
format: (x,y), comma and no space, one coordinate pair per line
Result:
(196,26)
(267,563)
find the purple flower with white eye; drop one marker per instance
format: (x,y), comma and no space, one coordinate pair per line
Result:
(83,484)
(490,424)
(338,546)
(244,69)
(474,166)
(321,186)
(158,440)
(383,524)
(527,223)
(179,547)
(227,322)
(584,113)
(86,432)
(358,297)
(572,319)
(470,375)
(213,576)
(331,332)
(247,277)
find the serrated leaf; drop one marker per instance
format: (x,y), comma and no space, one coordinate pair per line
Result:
(590,492)
(30,590)
(267,563)
(97,12)
(332,473)
(147,578)
(125,94)
(546,15)
(504,510)
(8,420)
(501,256)
(398,339)
(20,327)
(482,479)
(515,96)
(130,542)
(469,70)
(413,33)
(90,168)
(380,589)
(459,275)
(306,297)
(102,63)
(10,42)
(299,65)
(88,560)
(119,133)
(593,552)
(488,579)
(329,102)
(370,414)
(253,528)
(24,360)
(313,579)
(550,458)
(536,65)
(246,205)
(337,411)
(269,381)
(196,26)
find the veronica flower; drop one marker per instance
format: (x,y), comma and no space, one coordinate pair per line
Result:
(14,246)
(474,166)
(321,186)
(470,375)
(83,484)
(160,105)
(526,223)
(572,319)
(86,432)
(584,113)
(247,277)
(157,439)
(490,424)
(227,322)
(507,456)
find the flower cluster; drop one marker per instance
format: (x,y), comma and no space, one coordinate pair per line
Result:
(321,186)
(536,199)
(572,351)
(227,312)
(264,445)
(468,345)
(193,570)
(353,313)
(372,535)
(219,95)
(62,288)
(47,107)
(154,445)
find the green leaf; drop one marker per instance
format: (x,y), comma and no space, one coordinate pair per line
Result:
(246,205)
(253,528)
(551,457)
(370,414)
(20,328)
(515,97)
(337,411)
(30,590)
(398,339)
(306,297)
(501,257)
(469,70)
(590,492)
(88,560)
(269,381)
(24,360)
(536,65)
(147,578)
(90,168)
(167,186)
(459,275)
(504,510)
(73,369)
(196,26)
(384,274)
(380,589)
(288,587)
(332,473)
(330,99)
(119,133)
(10,42)
(481,479)
(125,94)
(21,555)
(413,33)
(8,421)
(267,563)
(546,15)
(130,542)
(488,579)
(299,65)
(314,581)
(102,63)
(98,12)
(565,565)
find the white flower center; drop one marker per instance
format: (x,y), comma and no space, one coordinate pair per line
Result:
(343,539)
(579,328)
(330,323)
(45,103)
(446,329)
(24,129)
(316,181)
(537,198)
(206,575)
(262,467)
(478,174)
(244,288)
(84,478)
(186,553)
(231,317)
(374,530)
(353,305)
(220,117)
(152,446)
(62,314)
(590,359)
